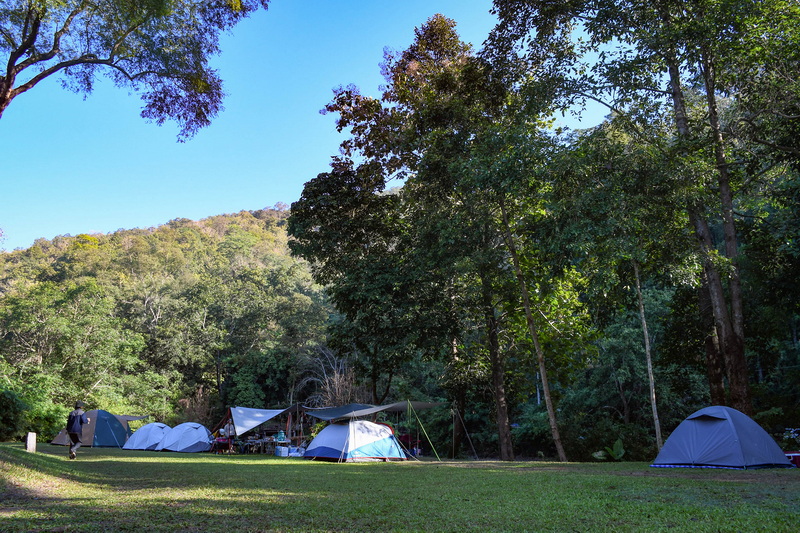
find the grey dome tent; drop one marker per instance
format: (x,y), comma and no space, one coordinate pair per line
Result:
(147,437)
(720,437)
(188,437)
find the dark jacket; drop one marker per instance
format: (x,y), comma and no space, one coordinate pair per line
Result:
(76,420)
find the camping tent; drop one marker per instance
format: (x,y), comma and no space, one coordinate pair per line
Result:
(186,437)
(147,437)
(103,429)
(356,440)
(720,437)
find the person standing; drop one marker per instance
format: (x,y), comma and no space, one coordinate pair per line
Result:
(230,432)
(75,422)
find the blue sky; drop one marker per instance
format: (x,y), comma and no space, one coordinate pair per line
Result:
(70,165)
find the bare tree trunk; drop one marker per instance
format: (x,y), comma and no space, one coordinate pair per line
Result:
(648,357)
(729,330)
(551,413)
(735,360)
(498,372)
(715,367)
(458,424)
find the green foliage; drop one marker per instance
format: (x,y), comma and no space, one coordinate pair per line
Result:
(159,49)
(617,452)
(139,321)
(12,415)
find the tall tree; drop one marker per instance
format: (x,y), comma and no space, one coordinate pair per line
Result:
(665,49)
(395,133)
(616,217)
(354,237)
(159,48)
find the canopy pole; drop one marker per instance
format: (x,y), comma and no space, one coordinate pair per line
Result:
(411,407)
(347,441)
(463,425)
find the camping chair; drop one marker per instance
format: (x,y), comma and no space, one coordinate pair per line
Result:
(221,445)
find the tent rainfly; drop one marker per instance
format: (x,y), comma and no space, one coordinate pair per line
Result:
(187,437)
(103,430)
(355,441)
(720,437)
(147,437)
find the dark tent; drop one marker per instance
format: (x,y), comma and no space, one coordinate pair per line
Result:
(103,430)
(720,437)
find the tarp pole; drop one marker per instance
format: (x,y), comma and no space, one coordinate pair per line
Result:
(347,441)
(463,425)
(423,430)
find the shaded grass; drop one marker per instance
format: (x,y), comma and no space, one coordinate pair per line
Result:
(118,490)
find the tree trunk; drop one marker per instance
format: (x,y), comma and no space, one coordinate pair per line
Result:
(715,367)
(648,357)
(735,360)
(458,424)
(498,372)
(731,344)
(551,413)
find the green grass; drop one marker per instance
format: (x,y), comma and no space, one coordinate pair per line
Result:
(117,490)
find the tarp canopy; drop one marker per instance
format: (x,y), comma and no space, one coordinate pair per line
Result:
(357,410)
(102,430)
(147,437)
(356,440)
(245,418)
(720,437)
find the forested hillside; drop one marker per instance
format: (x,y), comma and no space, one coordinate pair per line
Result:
(175,321)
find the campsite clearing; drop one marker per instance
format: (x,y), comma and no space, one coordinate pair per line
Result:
(120,490)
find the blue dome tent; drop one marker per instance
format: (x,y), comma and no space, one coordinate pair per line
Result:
(720,437)
(103,430)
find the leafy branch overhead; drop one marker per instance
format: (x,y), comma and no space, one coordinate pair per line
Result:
(157,48)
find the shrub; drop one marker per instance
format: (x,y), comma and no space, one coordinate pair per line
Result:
(12,415)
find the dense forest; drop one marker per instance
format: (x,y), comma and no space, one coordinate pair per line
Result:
(588,285)
(561,290)
(176,321)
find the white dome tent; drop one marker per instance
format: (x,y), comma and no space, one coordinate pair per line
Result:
(188,437)
(147,437)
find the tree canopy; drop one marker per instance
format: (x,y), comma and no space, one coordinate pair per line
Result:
(157,48)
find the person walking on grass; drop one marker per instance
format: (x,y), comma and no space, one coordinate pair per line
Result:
(75,422)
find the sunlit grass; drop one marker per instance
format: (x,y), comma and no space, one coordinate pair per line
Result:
(118,490)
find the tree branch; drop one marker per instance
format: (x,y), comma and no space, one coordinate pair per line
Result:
(56,47)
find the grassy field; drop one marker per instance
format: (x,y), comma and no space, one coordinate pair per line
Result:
(117,490)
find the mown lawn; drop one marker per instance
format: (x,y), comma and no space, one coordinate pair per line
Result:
(117,490)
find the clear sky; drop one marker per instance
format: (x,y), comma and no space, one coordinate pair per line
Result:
(70,165)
